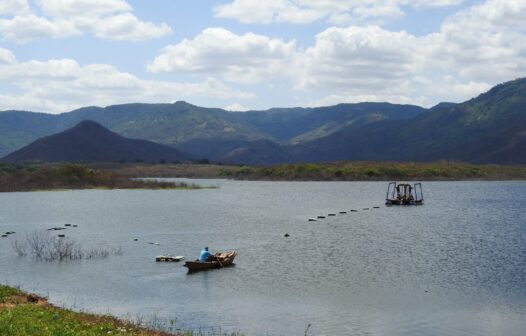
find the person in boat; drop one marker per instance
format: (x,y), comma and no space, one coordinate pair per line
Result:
(205,255)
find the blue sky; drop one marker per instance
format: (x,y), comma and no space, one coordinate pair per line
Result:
(58,55)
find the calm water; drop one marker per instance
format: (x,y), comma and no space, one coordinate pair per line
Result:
(455,266)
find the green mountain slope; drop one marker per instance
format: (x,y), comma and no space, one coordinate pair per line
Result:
(178,123)
(487,129)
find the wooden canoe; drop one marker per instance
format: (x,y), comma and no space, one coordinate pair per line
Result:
(224,259)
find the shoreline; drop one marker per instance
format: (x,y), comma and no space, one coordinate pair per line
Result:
(28,314)
(22,313)
(65,177)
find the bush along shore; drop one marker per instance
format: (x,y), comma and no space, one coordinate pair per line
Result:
(24,314)
(73,176)
(336,171)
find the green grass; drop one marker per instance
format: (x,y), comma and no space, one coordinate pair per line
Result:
(6,292)
(23,314)
(31,319)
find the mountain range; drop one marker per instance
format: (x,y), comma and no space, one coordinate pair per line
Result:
(490,128)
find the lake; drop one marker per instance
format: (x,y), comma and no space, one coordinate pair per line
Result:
(454,266)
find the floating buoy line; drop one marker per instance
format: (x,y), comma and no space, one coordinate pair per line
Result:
(334,214)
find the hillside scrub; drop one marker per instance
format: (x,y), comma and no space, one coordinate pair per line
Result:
(72,176)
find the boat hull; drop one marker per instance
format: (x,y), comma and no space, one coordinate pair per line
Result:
(224,260)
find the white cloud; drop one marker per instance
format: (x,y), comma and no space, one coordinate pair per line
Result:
(125,27)
(26,28)
(307,11)
(246,58)
(13,7)
(475,49)
(106,19)
(236,107)
(63,85)
(65,8)
(486,42)
(361,57)
(6,56)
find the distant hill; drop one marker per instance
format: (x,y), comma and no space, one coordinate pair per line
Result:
(180,122)
(490,128)
(259,152)
(90,142)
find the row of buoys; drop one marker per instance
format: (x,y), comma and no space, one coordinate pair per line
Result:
(59,228)
(8,233)
(312,219)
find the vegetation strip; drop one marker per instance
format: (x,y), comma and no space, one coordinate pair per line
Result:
(337,171)
(72,176)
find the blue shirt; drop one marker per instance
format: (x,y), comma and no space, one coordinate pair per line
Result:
(204,254)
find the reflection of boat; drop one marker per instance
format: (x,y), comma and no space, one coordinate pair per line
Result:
(404,194)
(222,259)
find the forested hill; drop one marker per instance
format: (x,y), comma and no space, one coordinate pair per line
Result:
(490,128)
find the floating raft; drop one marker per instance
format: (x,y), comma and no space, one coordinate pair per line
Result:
(169,258)
(313,220)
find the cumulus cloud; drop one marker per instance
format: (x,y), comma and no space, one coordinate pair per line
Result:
(63,84)
(124,27)
(365,57)
(485,42)
(246,58)
(64,8)
(473,50)
(6,56)
(13,7)
(106,19)
(236,107)
(307,11)
(26,28)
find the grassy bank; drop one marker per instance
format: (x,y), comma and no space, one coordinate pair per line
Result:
(23,314)
(338,171)
(72,176)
